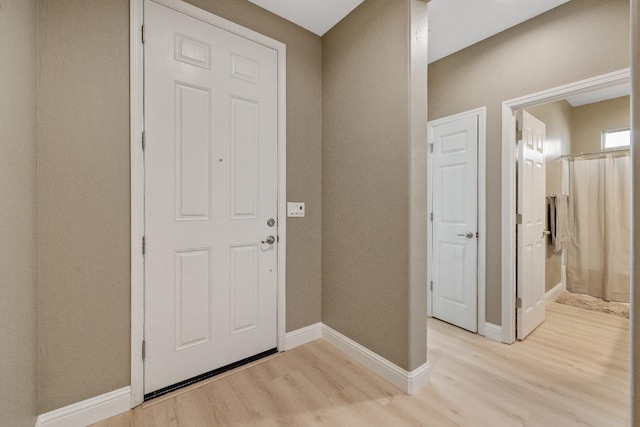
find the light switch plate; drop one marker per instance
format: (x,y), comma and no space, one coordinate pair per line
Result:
(295,209)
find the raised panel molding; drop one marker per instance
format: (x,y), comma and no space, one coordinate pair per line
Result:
(244,68)
(244,163)
(193,273)
(193,153)
(193,52)
(245,293)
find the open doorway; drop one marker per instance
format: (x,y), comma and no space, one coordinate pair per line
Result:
(560,156)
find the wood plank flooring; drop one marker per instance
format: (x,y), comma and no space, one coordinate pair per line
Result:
(572,371)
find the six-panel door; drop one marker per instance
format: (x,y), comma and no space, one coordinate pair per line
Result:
(210,189)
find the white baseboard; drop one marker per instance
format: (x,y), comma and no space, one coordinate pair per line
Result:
(116,402)
(493,332)
(555,291)
(89,411)
(409,382)
(302,336)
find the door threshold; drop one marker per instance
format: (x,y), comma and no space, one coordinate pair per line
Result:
(216,372)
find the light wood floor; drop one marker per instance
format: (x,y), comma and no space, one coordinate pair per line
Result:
(572,371)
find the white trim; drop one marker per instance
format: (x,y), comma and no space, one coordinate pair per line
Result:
(282,192)
(303,336)
(88,411)
(409,382)
(482,219)
(493,332)
(481,113)
(137,175)
(554,292)
(137,200)
(508,179)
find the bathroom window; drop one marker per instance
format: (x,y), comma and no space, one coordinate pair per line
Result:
(616,138)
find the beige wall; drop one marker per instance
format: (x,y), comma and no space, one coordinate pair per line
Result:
(366,179)
(18,351)
(83,200)
(83,131)
(578,40)
(589,121)
(557,118)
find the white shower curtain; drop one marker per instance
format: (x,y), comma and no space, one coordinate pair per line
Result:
(598,258)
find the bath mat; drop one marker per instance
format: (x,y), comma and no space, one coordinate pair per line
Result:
(594,304)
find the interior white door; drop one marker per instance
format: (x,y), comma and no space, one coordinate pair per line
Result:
(531,239)
(455,221)
(210,190)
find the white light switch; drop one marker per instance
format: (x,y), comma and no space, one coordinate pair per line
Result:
(295,209)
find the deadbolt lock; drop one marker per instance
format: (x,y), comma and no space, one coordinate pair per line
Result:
(271,222)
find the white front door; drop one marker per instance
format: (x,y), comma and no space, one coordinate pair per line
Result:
(531,239)
(455,221)
(210,192)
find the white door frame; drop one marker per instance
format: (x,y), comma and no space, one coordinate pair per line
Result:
(137,174)
(481,113)
(509,180)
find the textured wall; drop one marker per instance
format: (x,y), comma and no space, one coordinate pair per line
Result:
(589,121)
(557,118)
(83,200)
(366,178)
(18,352)
(578,40)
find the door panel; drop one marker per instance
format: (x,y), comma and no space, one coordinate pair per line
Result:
(531,238)
(210,187)
(455,222)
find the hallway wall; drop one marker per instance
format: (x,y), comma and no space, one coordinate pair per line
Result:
(575,41)
(18,193)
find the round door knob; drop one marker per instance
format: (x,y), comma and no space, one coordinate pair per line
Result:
(270,240)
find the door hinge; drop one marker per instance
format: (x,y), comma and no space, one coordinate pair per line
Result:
(431,147)
(144,245)
(144,140)
(431,216)
(519,302)
(144,349)
(142,31)
(431,285)
(518,135)
(518,218)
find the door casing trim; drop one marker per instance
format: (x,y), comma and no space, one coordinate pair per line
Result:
(481,113)
(137,174)
(509,109)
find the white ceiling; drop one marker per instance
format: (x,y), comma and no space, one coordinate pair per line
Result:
(453,24)
(317,16)
(456,24)
(600,95)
